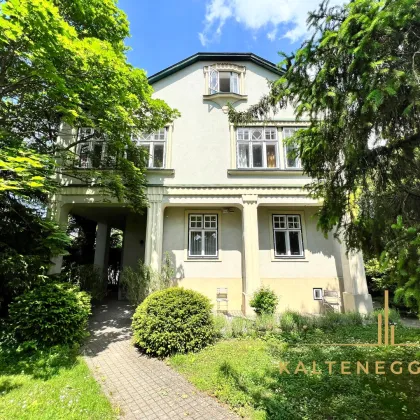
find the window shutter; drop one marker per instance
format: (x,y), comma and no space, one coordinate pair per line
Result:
(234,82)
(213,80)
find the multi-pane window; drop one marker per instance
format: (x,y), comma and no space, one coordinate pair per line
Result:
(202,235)
(155,145)
(257,147)
(90,149)
(223,81)
(287,235)
(290,150)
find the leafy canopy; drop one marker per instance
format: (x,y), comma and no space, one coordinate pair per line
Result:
(357,83)
(63,64)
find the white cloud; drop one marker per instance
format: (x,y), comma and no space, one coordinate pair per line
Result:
(259,14)
(272,34)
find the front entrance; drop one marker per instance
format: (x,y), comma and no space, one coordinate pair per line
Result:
(105,240)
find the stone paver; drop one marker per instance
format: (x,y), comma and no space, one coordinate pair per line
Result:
(142,387)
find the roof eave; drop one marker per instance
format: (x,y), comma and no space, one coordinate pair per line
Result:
(214,56)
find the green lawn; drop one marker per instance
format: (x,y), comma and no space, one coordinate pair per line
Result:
(244,373)
(55,384)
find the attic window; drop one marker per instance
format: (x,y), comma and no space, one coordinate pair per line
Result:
(223,81)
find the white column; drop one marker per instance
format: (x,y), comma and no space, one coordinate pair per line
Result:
(60,213)
(251,268)
(154,232)
(356,297)
(102,248)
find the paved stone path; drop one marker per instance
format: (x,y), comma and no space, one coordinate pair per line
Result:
(142,387)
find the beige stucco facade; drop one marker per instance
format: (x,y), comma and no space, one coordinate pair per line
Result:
(201,176)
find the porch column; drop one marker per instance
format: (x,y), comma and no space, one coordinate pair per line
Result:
(102,248)
(154,231)
(356,297)
(251,268)
(59,213)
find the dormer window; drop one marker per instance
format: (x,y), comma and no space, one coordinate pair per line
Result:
(223,82)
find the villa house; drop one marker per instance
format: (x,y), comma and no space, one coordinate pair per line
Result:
(226,203)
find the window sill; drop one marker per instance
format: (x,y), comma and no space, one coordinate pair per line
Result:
(191,259)
(160,171)
(263,171)
(289,259)
(222,98)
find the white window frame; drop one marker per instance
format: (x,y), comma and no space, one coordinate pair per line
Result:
(276,223)
(264,142)
(202,229)
(318,293)
(91,143)
(214,81)
(288,132)
(160,138)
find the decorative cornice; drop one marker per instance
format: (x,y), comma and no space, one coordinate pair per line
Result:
(225,67)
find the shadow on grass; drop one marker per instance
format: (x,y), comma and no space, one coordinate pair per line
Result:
(39,364)
(6,385)
(329,396)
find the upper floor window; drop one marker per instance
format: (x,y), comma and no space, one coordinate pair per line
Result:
(155,145)
(90,149)
(223,81)
(292,160)
(257,147)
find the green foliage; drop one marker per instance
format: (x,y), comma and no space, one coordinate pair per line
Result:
(66,62)
(54,313)
(173,320)
(167,273)
(241,327)
(142,280)
(264,301)
(90,279)
(138,282)
(360,71)
(402,253)
(378,276)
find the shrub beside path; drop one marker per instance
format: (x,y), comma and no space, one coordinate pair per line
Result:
(141,387)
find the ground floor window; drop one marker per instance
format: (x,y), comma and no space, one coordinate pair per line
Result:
(287,235)
(202,235)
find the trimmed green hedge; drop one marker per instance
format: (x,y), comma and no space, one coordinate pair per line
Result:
(173,320)
(54,313)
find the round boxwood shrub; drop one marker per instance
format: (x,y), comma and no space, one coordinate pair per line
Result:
(173,320)
(264,301)
(54,313)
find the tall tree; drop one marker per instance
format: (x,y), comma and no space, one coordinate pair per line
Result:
(357,80)
(63,64)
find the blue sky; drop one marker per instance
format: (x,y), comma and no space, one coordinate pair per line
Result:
(164,32)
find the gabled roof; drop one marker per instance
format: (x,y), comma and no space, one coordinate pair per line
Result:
(206,56)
